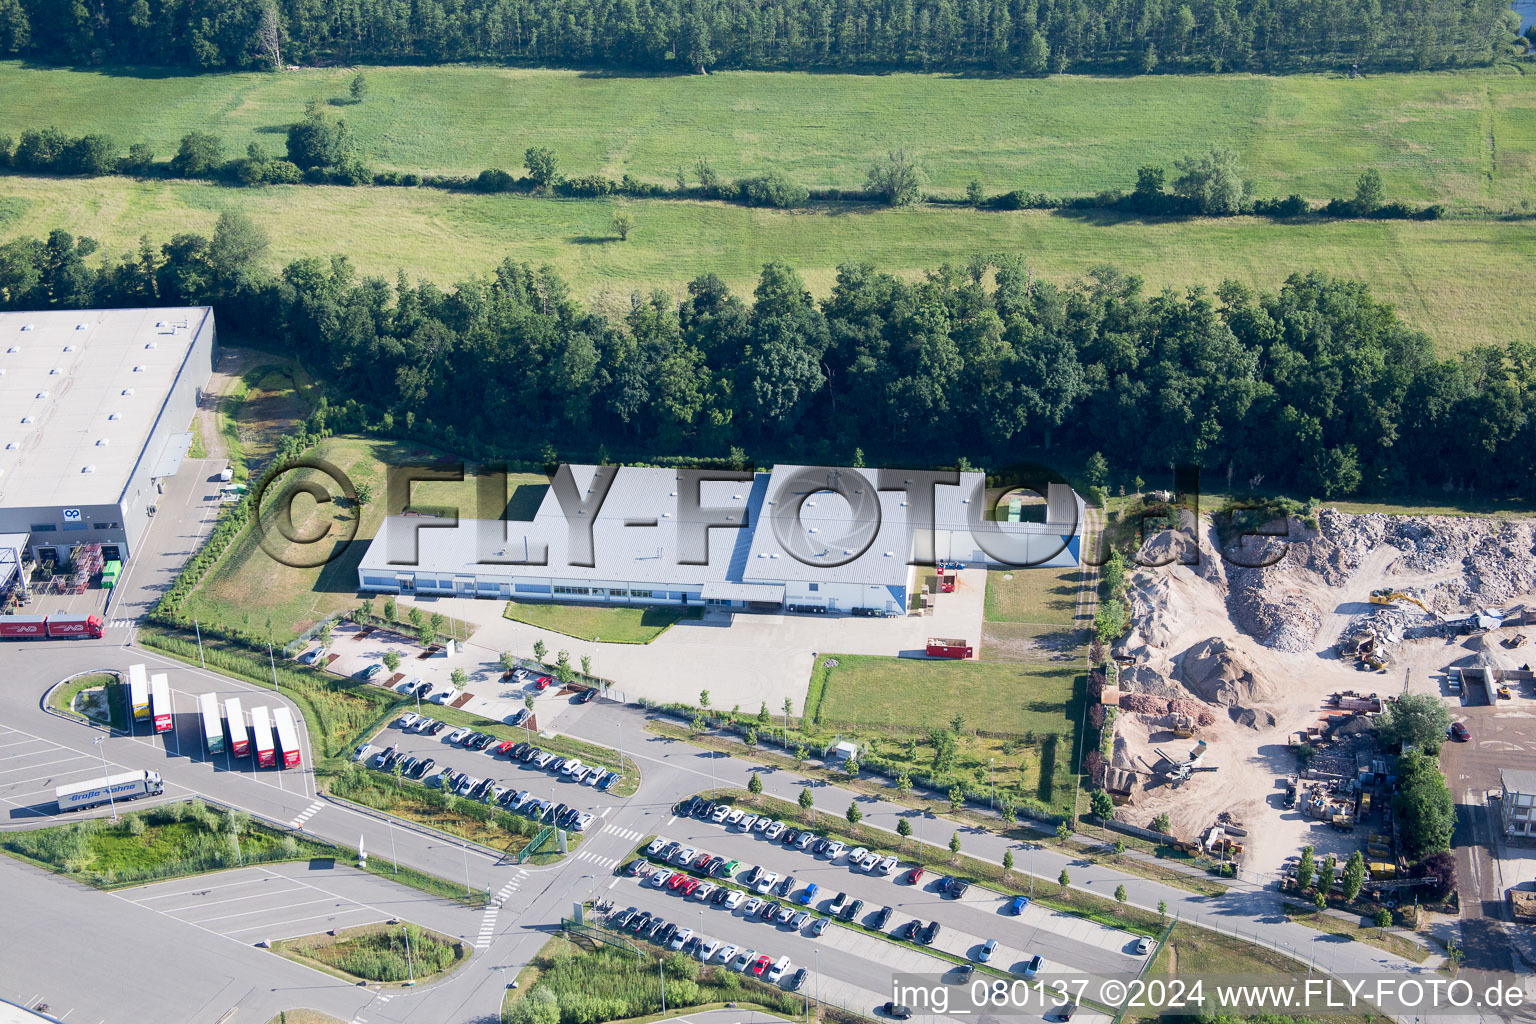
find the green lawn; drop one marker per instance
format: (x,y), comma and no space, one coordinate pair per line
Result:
(1435,272)
(1465,138)
(250,589)
(378,953)
(613,625)
(1035,595)
(116,694)
(919,693)
(170,841)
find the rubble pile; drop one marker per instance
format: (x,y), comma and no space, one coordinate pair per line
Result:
(1284,621)
(1147,704)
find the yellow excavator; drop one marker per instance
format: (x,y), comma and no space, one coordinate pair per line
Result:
(1388,595)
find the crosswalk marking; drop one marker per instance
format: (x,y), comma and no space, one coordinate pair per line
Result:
(624,833)
(488,926)
(592,858)
(306,814)
(122,623)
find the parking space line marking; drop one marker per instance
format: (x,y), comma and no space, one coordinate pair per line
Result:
(207,888)
(296,920)
(233,899)
(16,744)
(29,767)
(247,913)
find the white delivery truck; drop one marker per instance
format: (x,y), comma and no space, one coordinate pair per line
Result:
(127,786)
(213,726)
(261,738)
(287,736)
(138,691)
(239,737)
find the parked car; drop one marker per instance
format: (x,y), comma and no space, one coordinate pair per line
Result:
(734,898)
(761,964)
(1018,904)
(408,719)
(784,887)
(587,695)
(856,857)
(808,894)
(310,657)
(743,958)
(835,849)
(817,927)
(680,938)
(1033,965)
(984,954)
(363,751)
(684,856)
(425,724)
(421,689)
(777,971)
(882,916)
(1459,732)
(726,869)
(805,840)
(707,950)
(751,907)
(383,756)
(838,902)
(869,863)
(423,766)
(370,672)
(1143,946)
(896,1011)
(727,954)
(766,882)
(1066,1012)
(769,911)
(774,830)
(801,920)
(887,865)
(437,727)
(619,920)
(851,911)
(720,896)
(634,867)
(542,683)
(457,736)
(796,981)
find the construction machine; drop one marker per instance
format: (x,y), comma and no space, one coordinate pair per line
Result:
(1387,595)
(1184,726)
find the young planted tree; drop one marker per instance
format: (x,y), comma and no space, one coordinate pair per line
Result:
(1063,879)
(755,785)
(1120,894)
(1007,863)
(539,650)
(903,829)
(805,799)
(358,88)
(459,677)
(854,814)
(391,661)
(623,222)
(954,847)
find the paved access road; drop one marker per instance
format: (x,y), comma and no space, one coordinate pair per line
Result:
(529,900)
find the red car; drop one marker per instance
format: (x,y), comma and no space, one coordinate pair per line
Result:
(914,876)
(677,880)
(543,683)
(690,885)
(760,965)
(1459,732)
(504,746)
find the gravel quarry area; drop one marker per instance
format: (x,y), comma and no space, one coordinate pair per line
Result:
(1253,635)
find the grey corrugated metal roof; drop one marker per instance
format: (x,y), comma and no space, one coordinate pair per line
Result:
(83,388)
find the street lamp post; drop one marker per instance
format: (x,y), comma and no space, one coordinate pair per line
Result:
(112,803)
(199,631)
(992,778)
(395,860)
(661,977)
(467,889)
(273,662)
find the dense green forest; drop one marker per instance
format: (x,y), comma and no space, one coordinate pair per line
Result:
(1011,36)
(1315,386)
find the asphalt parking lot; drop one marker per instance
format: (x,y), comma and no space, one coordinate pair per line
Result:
(847,966)
(1064,940)
(31,768)
(256,904)
(481,764)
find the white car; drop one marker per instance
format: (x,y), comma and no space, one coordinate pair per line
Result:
(761,824)
(405,687)
(868,864)
(802,919)
(734,899)
(682,936)
(732,817)
(751,907)
(458,734)
(655,845)
(705,891)
(747,822)
(835,850)
(442,696)
(774,831)
(857,856)
(727,953)
(571,768)
(685,856)
(425,724)
(720,814)
(743,958)
(310,657)
(409,719)
(594,777)
(888,865)
(767,882)
(1143,946)
(777,970)
(363,751)
(707,950)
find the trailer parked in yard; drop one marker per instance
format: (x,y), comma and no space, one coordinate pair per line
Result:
(138,691)
(160,699)
(239,737)
(261,738)
(51,627)
(942,648)
(213,726)
(287,736)
(124,786)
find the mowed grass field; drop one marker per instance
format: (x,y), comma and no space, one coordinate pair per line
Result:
(1035,595)
(1459,280)
(919,693)
(1466,139)
(251,589)
(615,625)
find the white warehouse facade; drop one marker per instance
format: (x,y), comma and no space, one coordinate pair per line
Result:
(837,540)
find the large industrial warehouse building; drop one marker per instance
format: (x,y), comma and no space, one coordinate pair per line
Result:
(95,407)
(635,557)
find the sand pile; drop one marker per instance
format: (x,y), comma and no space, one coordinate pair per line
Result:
(1217,674)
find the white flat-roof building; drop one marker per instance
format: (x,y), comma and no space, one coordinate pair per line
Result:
(95,407)
(810,539)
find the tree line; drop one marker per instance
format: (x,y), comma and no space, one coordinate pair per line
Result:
(1007,36)
(1316,386)
(321,151)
